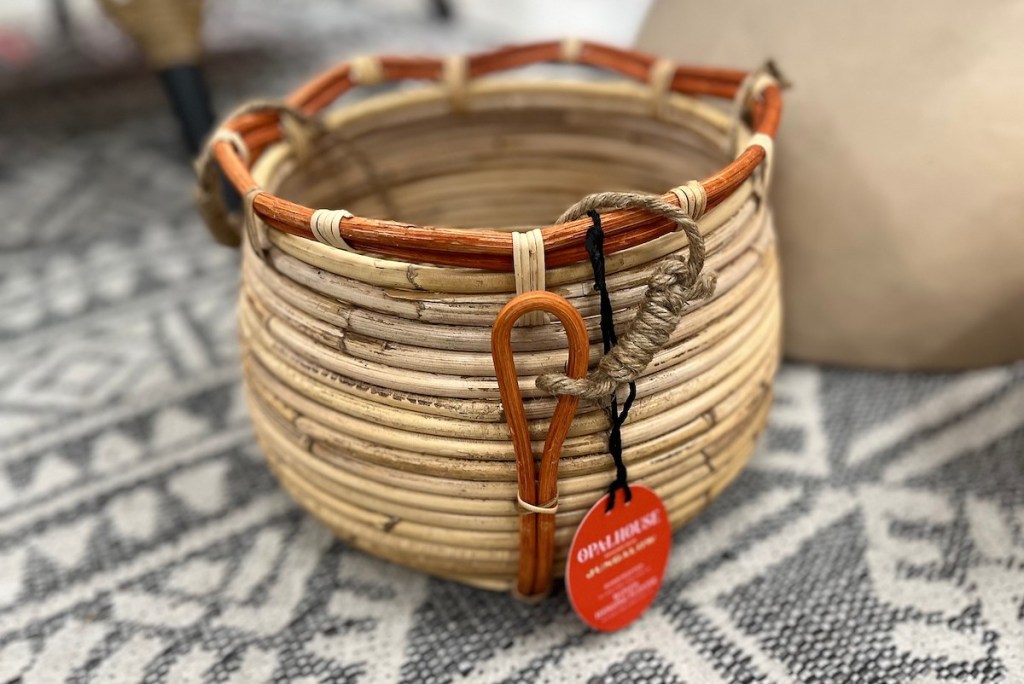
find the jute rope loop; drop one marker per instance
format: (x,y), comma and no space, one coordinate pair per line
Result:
(225,224)
(356,155)
(528,260)
(673,283)
(209,200)
(283,110)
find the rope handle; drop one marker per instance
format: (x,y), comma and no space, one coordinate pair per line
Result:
(225,224)
(537,496)
(674,283)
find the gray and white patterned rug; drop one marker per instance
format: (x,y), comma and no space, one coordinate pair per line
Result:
(878,535)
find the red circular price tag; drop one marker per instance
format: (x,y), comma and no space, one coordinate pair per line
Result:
(617,559)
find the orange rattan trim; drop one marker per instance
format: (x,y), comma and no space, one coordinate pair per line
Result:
(484,248)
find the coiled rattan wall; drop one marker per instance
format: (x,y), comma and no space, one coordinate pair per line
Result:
(368,370)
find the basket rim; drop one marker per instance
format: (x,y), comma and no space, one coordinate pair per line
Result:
(463,246)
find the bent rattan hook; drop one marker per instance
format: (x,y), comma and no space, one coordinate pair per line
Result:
(537,529)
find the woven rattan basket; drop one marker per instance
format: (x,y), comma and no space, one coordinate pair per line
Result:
(366,342)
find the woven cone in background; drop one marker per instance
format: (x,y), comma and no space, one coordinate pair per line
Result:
(369,374)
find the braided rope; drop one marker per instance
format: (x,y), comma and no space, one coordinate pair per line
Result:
(674,283)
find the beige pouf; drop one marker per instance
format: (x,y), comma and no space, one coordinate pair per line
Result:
(899,192)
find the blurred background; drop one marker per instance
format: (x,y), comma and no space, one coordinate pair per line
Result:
(77,96)
(67,65)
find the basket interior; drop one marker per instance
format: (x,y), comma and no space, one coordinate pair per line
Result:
(517,165)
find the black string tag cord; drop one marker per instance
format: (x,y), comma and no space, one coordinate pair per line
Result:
(595,249)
